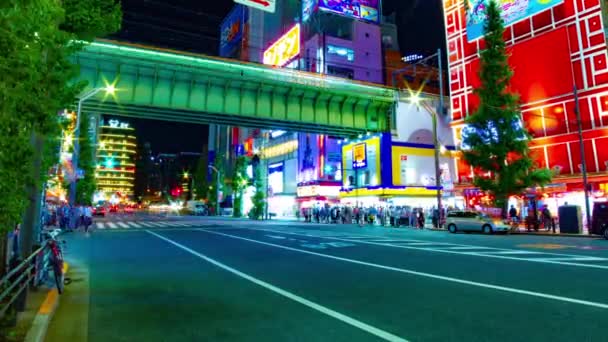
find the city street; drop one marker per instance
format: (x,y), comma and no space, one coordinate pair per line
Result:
(230,280)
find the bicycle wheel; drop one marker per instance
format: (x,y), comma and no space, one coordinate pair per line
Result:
(58,272)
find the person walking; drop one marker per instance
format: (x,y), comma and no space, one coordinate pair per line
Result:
(87,218)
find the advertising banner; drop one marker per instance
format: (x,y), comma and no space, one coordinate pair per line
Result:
(308,8)
(359,9)
(232,29)
(264,5)
(285,49)
(512,11)
(360,156)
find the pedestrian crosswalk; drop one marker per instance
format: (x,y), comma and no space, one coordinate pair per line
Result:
(144,224)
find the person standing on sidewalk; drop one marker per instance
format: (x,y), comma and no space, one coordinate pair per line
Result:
(420,218)
(546,215)
(547,218)
(87,217)
(513,214)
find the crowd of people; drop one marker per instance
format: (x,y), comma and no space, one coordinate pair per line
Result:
(393,216)
(68,217)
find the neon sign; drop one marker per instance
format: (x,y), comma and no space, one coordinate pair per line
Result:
(360,9)
(511,11)
(118,124)
(285,49)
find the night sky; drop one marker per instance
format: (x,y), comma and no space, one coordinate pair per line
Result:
(193,25)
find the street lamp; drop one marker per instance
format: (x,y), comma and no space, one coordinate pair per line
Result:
(109,89)
(217,189)
(416,100)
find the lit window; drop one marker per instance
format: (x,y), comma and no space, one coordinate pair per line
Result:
(341,51)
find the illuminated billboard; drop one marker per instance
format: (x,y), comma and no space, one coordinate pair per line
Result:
(360,156)
(512,11)
(285,49)
(359,9)
(232,29)
(308,8)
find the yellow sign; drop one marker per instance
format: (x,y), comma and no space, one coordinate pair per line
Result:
(284,49)
(281,149)
(360,156)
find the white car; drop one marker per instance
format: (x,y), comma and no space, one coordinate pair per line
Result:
(472,221)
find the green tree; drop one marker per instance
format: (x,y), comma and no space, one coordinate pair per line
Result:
(37,40)
(495,142)
(259,197)
(239,183)
(200,186)
(85,187)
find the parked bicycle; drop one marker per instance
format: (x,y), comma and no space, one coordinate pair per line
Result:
(56,259)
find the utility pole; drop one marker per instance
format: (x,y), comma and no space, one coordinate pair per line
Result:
(583,161)
(436,140)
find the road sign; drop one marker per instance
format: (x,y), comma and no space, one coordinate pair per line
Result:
(264,5)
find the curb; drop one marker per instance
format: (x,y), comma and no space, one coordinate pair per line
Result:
(40,325)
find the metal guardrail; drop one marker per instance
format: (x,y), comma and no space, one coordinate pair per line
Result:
(29,271)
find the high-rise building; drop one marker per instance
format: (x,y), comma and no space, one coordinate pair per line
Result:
(116,151)
(334,38)
(554,46)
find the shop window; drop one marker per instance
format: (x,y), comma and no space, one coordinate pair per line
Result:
(341,51)
(340,72)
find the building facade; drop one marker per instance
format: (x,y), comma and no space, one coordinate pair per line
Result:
(116,153)
(560,46)
(398,168)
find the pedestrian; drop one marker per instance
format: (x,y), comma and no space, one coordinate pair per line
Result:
(547,218)
(513,214)
(435,218)
(413,218)
(87,218)
(420,218)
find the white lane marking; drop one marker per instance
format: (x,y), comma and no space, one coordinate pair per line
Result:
(145,224)
(472,252)
(421,244)
(582,258)
(100,225)
(424,274)
(134,224)
(329,312)
(112,225)
(511,252)
(157,224)
(122,225)
(469,247)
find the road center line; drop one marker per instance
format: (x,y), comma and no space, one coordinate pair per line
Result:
(334,314)
(424,274)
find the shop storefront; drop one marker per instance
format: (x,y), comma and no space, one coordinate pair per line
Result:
(380,172)
(318,193)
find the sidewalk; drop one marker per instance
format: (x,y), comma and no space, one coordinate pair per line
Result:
(428,226)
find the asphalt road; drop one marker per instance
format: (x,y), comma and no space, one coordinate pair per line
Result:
(246,281)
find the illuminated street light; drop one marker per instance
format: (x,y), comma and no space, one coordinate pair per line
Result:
(415,98)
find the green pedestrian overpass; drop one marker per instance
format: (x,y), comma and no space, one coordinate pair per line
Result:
(153,83)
